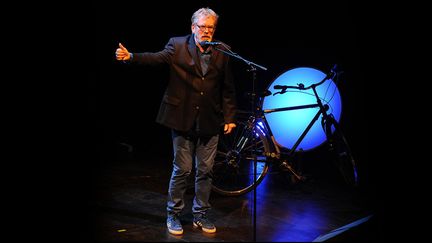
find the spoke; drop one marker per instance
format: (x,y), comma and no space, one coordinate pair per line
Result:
(260,146)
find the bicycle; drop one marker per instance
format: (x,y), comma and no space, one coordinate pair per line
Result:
(253,141)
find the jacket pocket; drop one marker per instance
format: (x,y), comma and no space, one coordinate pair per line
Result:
(171,100)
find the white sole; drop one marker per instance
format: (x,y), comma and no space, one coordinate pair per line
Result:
(175,232)
(204,229)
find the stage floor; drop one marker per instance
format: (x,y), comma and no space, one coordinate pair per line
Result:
(128,203)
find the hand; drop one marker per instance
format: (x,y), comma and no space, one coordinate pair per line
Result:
(228,127)
(122,53)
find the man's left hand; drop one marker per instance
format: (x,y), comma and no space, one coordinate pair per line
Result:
(228,127)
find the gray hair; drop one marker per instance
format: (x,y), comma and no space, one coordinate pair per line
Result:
(204,12)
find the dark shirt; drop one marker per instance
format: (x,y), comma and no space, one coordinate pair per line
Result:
(204,59)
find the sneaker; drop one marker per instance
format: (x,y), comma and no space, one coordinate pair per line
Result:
(204,223)
(174,225)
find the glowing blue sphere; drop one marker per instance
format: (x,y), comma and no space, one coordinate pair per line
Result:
(287,126)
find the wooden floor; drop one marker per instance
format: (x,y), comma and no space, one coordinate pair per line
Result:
(128,204)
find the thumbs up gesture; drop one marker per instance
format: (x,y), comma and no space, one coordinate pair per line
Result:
(122,53)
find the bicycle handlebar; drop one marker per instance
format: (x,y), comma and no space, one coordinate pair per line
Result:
(301,86)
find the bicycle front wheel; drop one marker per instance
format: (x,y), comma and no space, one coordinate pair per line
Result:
(233,171)
(344,159)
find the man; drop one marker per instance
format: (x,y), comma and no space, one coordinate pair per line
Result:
(198,101)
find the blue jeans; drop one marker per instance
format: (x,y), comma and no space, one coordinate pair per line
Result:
(186,148)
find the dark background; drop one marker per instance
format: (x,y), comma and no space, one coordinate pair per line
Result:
(124,99)
(91,103)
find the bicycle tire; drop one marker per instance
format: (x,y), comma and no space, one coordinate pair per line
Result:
(233,168)
(344,159)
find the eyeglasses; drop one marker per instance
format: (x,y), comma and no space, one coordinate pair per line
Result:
(203,28)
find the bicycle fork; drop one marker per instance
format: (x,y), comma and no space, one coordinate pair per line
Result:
(274,152)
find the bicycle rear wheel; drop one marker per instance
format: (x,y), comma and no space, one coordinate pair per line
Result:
(233,171)
(344,159)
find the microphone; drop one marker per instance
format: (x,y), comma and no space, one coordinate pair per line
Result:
(210,43)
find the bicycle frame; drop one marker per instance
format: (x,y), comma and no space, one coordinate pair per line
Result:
(322,111)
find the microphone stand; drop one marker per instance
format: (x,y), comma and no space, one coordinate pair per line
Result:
(252,69)
(251,64)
